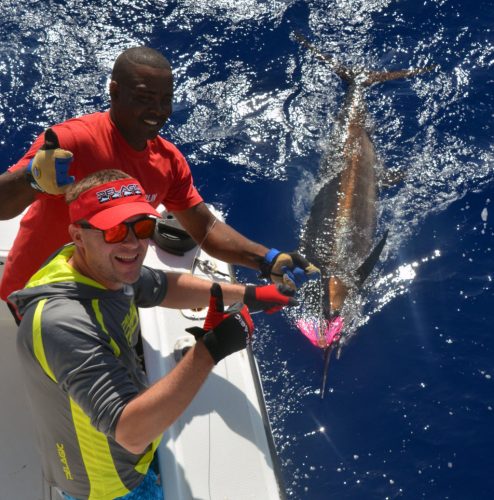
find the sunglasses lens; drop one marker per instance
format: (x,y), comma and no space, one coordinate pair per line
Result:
(144,228)
(116,233)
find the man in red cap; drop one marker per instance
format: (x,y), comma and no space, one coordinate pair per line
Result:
(126,136)
(98,423)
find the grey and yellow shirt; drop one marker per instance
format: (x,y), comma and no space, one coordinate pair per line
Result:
(76,344)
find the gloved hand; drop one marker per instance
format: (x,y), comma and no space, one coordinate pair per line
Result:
(269,298)
(289,268)
(48,170)
(224,332)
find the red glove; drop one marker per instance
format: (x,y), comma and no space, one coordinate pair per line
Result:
(216,312)
(224,332)
(269,298)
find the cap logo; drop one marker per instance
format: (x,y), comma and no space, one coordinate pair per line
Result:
(114,194)
(108,204)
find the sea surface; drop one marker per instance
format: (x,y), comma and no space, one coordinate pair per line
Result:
(409,411)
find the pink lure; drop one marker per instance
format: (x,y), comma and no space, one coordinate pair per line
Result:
(321,333)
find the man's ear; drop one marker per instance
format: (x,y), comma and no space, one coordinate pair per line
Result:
(114,89)
(76,235)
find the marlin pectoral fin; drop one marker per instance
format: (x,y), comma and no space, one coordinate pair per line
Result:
(366,268)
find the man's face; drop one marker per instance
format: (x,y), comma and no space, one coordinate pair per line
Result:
(141,106)
(111,264)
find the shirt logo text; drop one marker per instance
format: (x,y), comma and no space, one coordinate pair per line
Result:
(63,459)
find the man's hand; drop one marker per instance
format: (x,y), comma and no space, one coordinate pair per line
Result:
(289,268)
(224,332)
(269,298)
(48,170)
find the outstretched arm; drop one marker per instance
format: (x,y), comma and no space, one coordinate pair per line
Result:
(187,291)
(222,241)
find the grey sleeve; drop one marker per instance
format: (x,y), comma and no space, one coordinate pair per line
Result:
(85,365)
(151,287)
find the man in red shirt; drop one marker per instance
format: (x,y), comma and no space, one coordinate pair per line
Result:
(125,137)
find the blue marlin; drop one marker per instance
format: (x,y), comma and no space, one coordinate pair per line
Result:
(340,234)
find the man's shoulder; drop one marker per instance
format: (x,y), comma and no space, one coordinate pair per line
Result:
(58,308)
(164,144)
(151,287)
(81,128)
(56,316)
(167,151)
(98,119)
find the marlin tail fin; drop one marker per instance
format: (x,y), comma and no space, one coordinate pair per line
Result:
(343,72)
(386,76)
(367,78)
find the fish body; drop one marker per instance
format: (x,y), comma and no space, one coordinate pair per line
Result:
(341,227)
(340,233)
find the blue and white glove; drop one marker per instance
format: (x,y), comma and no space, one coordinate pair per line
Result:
(48,171)
(289,268)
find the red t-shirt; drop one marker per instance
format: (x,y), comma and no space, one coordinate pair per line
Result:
(96,144)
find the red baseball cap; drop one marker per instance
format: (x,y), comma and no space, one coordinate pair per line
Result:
(109,204)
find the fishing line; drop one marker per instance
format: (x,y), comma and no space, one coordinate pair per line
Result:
(199,247)
(207,233)
(208,268)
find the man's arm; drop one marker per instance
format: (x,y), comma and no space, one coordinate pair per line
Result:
(48,172)
(219,239)
(15,193)
(152,412)
(185,291)
(222,241)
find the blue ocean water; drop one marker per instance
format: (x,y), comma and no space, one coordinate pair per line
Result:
(409,410)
